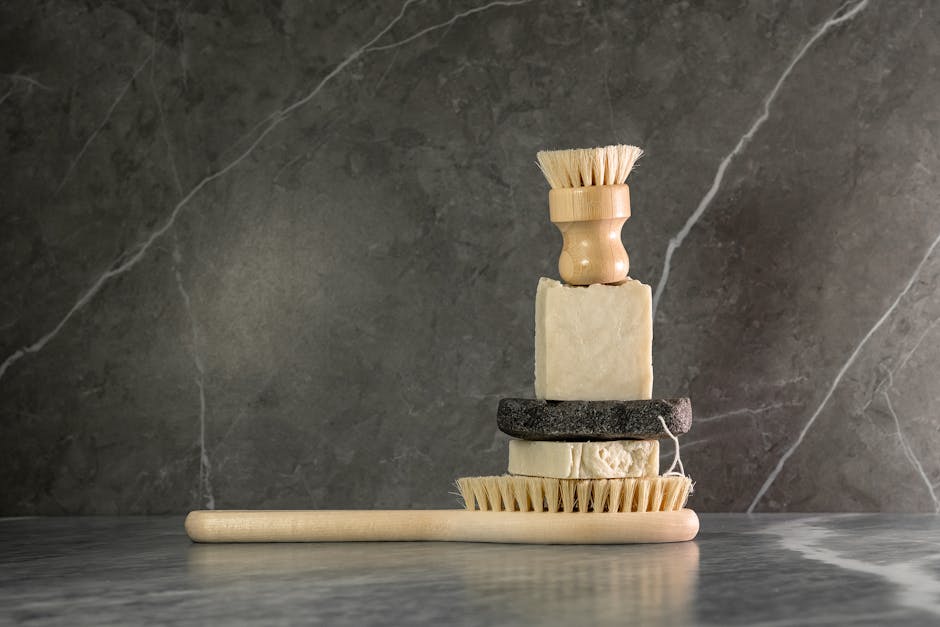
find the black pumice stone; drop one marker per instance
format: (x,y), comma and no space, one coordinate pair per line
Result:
(532,419)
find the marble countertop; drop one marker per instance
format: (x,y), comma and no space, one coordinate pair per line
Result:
(741,570)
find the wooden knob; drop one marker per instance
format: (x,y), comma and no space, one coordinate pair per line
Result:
(590,220)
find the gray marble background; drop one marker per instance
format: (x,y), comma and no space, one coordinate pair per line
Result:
(285,254)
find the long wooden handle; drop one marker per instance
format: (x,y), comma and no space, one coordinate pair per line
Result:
(440,525)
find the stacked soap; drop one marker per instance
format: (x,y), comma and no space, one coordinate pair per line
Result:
(592,344)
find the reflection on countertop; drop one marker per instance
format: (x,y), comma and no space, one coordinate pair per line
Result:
(650,582)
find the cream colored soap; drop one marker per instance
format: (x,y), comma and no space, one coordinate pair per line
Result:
(584,460)
(593,343)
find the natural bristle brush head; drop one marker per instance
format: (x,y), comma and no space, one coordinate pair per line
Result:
(586,167)
(510,493)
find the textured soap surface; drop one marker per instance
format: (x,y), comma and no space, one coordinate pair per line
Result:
(533,419)
(593,343)
(584,460)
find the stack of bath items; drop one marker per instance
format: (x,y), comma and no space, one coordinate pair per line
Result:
(589,441)
(590,438)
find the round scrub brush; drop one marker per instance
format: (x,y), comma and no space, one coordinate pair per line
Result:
(589,203)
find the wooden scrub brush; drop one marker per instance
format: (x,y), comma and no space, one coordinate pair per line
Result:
(589,203)
(510,509)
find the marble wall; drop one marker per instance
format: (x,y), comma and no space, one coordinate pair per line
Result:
(284,254)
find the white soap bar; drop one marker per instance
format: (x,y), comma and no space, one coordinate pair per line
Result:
(584,460)
(593,343)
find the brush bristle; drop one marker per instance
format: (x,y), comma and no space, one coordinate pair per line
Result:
(540,494)
(584,167)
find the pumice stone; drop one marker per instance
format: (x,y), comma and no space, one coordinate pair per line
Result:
(532,419)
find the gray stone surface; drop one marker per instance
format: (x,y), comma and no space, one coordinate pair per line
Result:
(532,419)
(204,301)
(741,570)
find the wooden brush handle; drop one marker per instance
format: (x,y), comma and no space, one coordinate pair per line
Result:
(590,220)
(440,525)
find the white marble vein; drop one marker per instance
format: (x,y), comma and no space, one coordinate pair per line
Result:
(371,47)
(267,125)
(909,451)
(916,584)
(205,466)
(889,377)
(391,64)
(104,122)
(16,80)
(29,81)
(841,15)
(666,453)
(449,22)
(917,344)
(745,411)
(839,376)
(162,115)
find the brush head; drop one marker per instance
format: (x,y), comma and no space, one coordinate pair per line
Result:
(509,493)
(586,167)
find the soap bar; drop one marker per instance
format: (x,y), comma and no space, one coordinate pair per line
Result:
(593,343)
(584,460)
(532,419)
